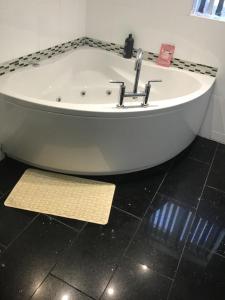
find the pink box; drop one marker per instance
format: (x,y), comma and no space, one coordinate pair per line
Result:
(165,55)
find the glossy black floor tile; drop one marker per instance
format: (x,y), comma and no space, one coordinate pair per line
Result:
(135,176)
(200,271)
(221,249)
(12,222)
(185,181)
(58,258)
(26,263)
(133,281)
(160,239)
(208,230)
(10,172)
(89,263)
(212,205)
(202,149)
(135,196)
(55,289)
(200,278)
(217,175)
(72,223)
(2,248)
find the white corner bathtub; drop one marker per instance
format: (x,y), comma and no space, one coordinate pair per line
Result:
(89,134)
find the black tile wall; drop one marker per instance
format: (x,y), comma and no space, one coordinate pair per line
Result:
(73,224)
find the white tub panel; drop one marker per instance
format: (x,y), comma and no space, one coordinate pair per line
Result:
(97,145)
(91,135)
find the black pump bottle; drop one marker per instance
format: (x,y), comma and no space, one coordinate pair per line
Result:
(128,47)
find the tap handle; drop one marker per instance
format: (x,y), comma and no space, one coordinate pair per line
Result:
(147,91)
(118,82)
(122,92)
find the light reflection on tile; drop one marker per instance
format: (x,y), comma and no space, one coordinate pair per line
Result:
(161,237)
(133,281)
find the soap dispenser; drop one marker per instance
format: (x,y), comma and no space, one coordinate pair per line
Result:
(128,47)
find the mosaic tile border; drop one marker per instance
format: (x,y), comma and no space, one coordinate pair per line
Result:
(35,58)
(177,63)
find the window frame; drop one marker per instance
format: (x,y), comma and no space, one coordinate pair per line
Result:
(209,8)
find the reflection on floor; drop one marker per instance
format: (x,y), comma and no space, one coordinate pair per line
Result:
(165,238)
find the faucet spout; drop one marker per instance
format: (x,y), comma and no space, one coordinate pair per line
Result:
(137,68)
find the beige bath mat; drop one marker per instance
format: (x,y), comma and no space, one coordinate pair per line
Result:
(63,195)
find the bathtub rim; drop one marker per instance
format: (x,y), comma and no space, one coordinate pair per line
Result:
(110,110)
(113,112)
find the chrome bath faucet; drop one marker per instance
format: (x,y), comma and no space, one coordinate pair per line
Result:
(145,94)
(135,93)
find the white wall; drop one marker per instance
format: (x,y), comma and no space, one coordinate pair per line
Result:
(30,25)
(156,21)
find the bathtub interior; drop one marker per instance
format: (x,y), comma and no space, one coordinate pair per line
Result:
(83,76)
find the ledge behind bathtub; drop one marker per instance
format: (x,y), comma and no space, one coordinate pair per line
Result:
(36,57)
(177,63)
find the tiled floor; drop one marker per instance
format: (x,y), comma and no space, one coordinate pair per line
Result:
(165,238)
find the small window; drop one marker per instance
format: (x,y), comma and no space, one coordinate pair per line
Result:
(212,9)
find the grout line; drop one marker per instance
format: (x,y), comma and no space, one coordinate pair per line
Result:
(67,247)
(208,163)
(181,203)
(111,277)
(83,227)
(200,161)
(220,255)
(133,236)
(145,213)
(126,212)
(25,228)
(195,213)
(60,279)
(216,189)
(210,167)
(42,282)
(3,246)
(57,259)
(66,225)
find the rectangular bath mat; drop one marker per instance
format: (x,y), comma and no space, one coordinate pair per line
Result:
(63,195)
